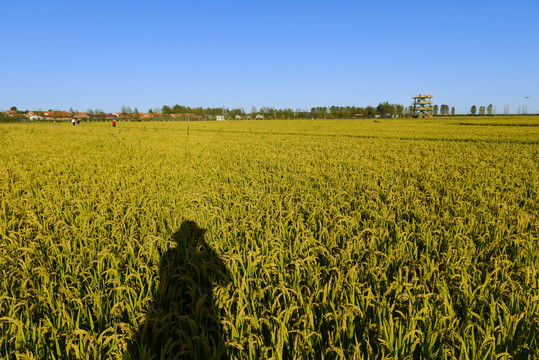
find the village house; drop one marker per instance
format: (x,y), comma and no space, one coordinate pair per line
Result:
(184,116)
(57,114)
(145,116)
(81,115)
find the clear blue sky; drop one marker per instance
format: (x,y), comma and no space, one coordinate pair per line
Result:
(299,54)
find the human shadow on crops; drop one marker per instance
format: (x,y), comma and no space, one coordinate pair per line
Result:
(183,321)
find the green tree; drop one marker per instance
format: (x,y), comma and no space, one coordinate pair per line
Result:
(380,108)
(166,110)
(13,108)
(389,109)
(370,112)
(473,110)
(232,113)
(179,109)
(444,110)
(126,110)
(453,110)
(435,110)
(482,110)
(316,112)
(385,109)
(489,109)
(411,110)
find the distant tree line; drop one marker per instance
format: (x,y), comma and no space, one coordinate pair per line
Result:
(444,110)
(383,109)
(482,110)
(322,112)
(180,109)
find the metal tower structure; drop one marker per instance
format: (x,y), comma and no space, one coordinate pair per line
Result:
(422,105)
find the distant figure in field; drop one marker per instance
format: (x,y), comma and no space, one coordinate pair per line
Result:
(73,122)
(113,122)
(78,121)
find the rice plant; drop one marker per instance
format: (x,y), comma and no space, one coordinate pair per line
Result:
(401,239)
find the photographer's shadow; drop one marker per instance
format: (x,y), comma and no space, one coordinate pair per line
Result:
(183,321)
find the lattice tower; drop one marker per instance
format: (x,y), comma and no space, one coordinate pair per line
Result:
(422,105)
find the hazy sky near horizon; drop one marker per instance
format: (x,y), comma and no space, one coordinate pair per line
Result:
(298,54)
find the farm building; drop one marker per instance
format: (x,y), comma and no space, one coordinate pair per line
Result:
(81,116)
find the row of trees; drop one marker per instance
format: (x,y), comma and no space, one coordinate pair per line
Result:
(444,110)
(489,110)
(384,109)
(181,109)
(332,112)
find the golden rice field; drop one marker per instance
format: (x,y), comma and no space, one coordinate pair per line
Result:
(356,239)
